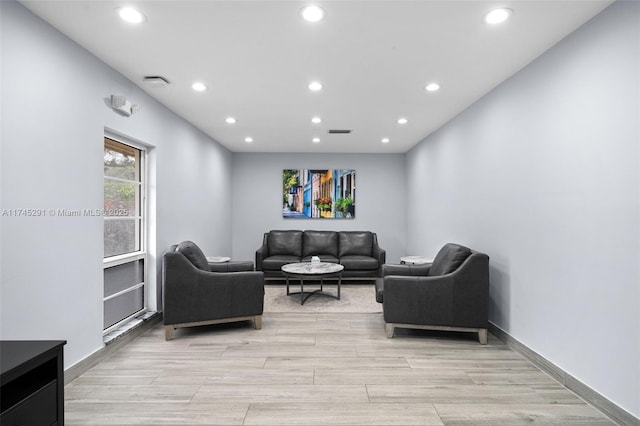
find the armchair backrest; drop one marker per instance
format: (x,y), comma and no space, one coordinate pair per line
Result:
(448,259)
(192,252)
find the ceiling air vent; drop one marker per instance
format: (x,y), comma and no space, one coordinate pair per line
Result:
(339,131)
(155,81)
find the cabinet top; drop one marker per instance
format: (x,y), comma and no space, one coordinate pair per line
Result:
(14,353)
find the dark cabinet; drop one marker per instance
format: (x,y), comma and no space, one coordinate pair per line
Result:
(32,383)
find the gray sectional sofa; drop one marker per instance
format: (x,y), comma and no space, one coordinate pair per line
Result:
(357,251)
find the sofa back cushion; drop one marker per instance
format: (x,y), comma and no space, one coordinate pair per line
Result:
(358,243)
(192,252)
(448,259)
(319,242)
(285,243)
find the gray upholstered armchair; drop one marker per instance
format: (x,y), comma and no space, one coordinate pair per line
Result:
(199,293)
(451,294)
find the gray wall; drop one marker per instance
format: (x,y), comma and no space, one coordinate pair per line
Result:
(54,117)
(543,175)
(257,205)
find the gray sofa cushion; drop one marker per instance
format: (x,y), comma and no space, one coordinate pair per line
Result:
(358,243)
(316,243)
(363,263)
(191,251)
(285,243)
(274,263)
(232,266)
(448,259)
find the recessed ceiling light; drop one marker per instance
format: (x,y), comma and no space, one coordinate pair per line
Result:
(230,120)
(402,120)
(385,140)
(131,15)
(315,86)
(312,13)
(432,87)
(248,139)
(198,86)
(315,140)
(316,120)
(498,16)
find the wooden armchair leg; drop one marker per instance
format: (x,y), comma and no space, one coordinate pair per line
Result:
(482,336)
(257,322)
(168,332)
(390,329)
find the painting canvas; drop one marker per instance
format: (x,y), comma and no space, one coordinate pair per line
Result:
(319,193)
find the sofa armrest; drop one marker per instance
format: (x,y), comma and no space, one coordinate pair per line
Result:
(379,253)
(262,252)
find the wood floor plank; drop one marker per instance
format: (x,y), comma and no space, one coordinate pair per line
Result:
(151,414)
(345,363)
(187,367)
(390,376)
(114,379)
(463,394)
(520,414)
(437,352)
(472,365)
(307,394)
(355,414)
(556,394)
(280,351)
(126,393)
(510,377)
(262,377)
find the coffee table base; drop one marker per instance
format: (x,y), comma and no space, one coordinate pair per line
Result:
(304,295)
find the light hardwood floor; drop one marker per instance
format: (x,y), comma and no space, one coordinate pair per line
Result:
(318,369)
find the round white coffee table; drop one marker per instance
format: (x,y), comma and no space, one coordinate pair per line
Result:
(415,260)
(315,271)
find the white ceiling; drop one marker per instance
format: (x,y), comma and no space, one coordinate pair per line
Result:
(373,57)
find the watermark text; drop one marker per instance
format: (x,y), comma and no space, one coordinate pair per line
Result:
(48,212)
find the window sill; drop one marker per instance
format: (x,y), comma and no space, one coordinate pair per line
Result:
(129,326)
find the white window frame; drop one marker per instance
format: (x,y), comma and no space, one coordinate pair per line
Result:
(121,259)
